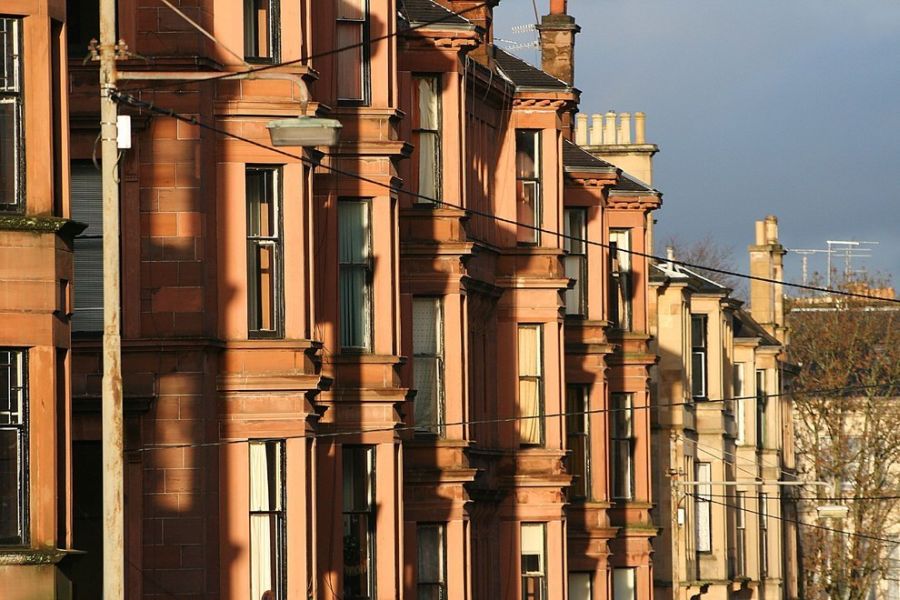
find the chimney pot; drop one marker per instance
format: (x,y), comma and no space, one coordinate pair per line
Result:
(557,7)
(596,129)
(639,128)
(625,128)
(609,128)
(581,130)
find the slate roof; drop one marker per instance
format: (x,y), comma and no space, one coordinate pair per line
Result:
(630,184)
(662,271)
(426,11)
(524,75)
(746,326)
(576,157)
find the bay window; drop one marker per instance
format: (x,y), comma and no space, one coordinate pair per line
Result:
(13,447)
(359,522)
(621,420)
(528,186)
(428,364)
(576,260)
(534,561)
(620,289)
(578,439)
(12,151)
(432,562)
(531,386)
(264,251)
(427,136)
(267,526)
(698,357)
(355,257)
(352,59)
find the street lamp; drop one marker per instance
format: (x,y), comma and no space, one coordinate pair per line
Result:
(304,131)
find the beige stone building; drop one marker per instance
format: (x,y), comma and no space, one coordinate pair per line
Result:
(722,437)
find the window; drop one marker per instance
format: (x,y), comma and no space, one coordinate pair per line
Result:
(698,357)
(703,507)
(267,531)
(528,186)
(82,25)
(741,526)
(578,439)
(12,152)
(352,61)
(264,302)
(620,288)
(428,364)
(624,585)
(761,400)
(531,386)
(580,587)
(622,438)
(576,260)
(86,196)
(355,274)
(432,561)
(13,447)
(534,574)
(427,136)
(739,391)
(763,535)
(261,23)
(359,522)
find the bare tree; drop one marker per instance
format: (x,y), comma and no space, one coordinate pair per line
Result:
(709,252)
(849,438)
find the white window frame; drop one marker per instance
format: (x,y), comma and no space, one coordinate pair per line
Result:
(621,279)
(529,236)
(257,241)
(621,428)
(267,519)
(252,27)
(427,89)
(363,265)
(699,352)
(533,543)
(575,243)
(531,429)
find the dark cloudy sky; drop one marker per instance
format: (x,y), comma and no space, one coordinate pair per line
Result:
(785,107)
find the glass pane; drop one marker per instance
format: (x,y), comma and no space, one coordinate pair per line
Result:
(9,54)
(426,325)
(261,203)
(529,406)
(265,563)
(429,168)
(357,556)
(575,269)
(12,391)
(580,586)
(620,244)
(428,102)
(426,381)
(9,151)
(349,67)
(257,27)
(263,304)
(526,211)
(266,487)
(529,350)
(351,9)
(354,307)
(576,405)
(10,494)
(575,228)
(353,222)
(357,483)
(698,331)
(533,547)
(527,153)
(698,374)
(430,540)
(623,584)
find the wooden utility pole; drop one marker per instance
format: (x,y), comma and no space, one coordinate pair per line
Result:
(112,416)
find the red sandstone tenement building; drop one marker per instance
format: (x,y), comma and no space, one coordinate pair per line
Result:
(334,387)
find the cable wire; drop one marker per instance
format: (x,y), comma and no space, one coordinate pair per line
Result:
(253,70)
(400,428)
(866,536)
(128,99)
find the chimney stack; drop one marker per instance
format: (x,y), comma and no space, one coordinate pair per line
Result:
(480,13)
(767,262)
(558,31)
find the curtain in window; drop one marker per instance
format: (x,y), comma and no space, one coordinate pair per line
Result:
(704,516)
(624,584)
(353,223)
(620,307)
(431,561)
(427,363)
(265,504)
(530,429)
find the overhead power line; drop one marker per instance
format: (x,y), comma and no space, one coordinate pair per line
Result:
(121,96)
(244,72)
(400,428)
(865,536)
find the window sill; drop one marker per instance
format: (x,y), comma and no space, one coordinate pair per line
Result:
(27,556)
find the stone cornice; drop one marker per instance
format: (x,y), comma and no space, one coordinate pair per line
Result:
(66,228)
(632,201)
